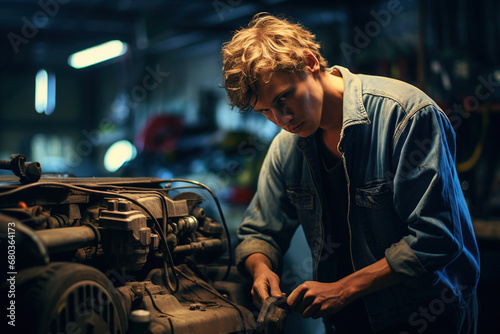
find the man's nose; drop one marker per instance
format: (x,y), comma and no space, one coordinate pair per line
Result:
(281,117)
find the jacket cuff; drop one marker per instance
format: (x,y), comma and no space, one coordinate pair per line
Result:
(251,246)
(405,263)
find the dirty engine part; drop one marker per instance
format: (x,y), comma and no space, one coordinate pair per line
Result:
(119,255)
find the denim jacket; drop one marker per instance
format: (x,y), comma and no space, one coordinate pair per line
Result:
(405,202)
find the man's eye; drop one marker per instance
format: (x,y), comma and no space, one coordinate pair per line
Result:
(263,111)
(283,97)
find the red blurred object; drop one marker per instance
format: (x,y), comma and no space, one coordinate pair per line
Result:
(240,195)
(160,134)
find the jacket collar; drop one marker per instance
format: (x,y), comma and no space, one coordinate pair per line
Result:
(354,111)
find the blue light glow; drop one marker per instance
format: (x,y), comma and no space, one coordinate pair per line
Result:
(45,92)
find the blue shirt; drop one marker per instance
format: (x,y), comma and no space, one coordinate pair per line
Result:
(404,198)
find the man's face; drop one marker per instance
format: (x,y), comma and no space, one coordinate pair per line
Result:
(292,102)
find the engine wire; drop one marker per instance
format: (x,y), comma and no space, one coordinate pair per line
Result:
(214,292)
(174,270)
(112,194)
(197,185)
(219,208)
(143,207)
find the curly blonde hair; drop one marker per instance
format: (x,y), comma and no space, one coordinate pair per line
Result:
(268,45)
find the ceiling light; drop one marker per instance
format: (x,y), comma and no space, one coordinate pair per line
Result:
(45,92)
(97,54)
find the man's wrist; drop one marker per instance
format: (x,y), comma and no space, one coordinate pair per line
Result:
(368,280)
(257,263)
(353,287)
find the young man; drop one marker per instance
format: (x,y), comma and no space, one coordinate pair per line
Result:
(366,164)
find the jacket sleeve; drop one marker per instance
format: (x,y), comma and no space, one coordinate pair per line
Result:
(270,220)
(427,197)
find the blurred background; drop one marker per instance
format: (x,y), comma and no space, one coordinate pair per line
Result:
(157,109)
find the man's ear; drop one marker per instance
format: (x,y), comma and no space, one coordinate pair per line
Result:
(311,61)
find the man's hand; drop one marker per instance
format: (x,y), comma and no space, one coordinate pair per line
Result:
(265,281)
(265,284)
(315,299)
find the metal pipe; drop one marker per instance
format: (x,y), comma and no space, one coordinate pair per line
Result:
(199,246)
(42,253)
(68,238)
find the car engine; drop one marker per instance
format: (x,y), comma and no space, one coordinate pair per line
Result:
(120,255)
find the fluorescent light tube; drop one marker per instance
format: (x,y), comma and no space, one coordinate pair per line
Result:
(97,54)
(45,92)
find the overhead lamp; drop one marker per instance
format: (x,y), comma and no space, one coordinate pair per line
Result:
(119,153)
(45,92)
(97,54)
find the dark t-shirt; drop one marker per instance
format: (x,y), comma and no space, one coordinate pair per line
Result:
(335,262)
(336,242)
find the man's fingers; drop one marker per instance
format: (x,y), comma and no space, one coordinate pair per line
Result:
(260,292)
(311,310)
(302,305)
(275,288)
(318,314)
(296,296)
(266,284)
